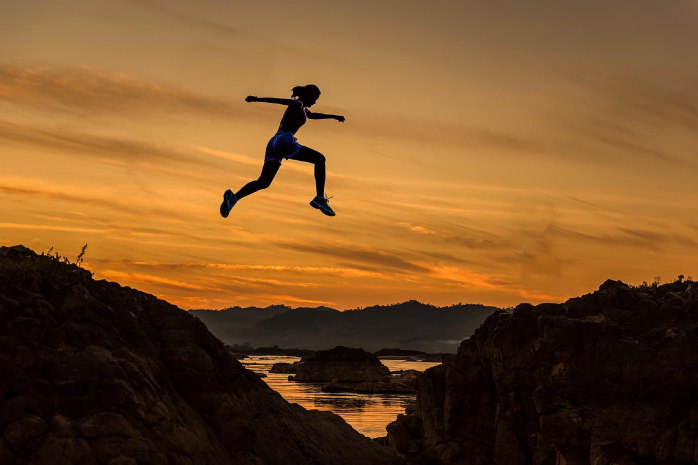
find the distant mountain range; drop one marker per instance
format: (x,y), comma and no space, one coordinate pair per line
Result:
(409,325)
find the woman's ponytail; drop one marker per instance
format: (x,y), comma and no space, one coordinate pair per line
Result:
(310,89)
(298,91)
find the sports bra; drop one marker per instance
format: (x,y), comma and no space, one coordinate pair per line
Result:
(294,117)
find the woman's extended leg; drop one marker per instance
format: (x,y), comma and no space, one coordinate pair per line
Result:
(309,155)
(313,156)
(269,170)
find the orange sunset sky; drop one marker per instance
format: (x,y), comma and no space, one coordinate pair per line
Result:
(493,152)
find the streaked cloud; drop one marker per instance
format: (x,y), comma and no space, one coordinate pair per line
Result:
(345,272)
(111,149)
(625,115)
(229,32)
(416,228)
(188,19)
(97,199)
(632,238)
(74,89)
(45,227)
(372,256)
(147,279)
(650,97)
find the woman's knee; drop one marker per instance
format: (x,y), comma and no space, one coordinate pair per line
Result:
(309,155)
(263,183)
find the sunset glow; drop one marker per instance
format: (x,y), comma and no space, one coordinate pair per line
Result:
(493,152)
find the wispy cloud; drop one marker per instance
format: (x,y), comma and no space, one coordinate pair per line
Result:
(189,20)
(636,238)
(440,256)
(416,228)
(659,101)
(100,198)
(59,195)
(244,159)
(148,279)
(619,141)
(113,150)
(229,32)
(467,278)
(437,135)
(477,240)
(47,227)
(626,116)
(73,89)
(363,254)
(345,272)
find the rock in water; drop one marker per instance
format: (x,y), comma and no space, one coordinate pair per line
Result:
(344,364)
(93,372)
(283,367)
(396,385)
(607,378)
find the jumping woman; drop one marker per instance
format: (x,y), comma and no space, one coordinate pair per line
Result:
(285,145)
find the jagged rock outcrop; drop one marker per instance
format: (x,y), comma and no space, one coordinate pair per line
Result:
(607,378)
(408,377)
(344,364)
(95,373)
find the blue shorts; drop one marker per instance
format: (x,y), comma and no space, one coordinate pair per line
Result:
(281,145)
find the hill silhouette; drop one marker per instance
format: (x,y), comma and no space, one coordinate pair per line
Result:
(408,325)
(93,372)
(237,317)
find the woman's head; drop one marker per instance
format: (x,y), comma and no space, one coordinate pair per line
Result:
(306,94)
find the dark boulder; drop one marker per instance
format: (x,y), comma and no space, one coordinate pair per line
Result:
(607,378)
(93,372)
(344,364)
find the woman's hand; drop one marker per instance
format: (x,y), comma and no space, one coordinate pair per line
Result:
(340,119)
(250,98)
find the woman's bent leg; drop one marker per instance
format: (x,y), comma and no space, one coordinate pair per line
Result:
(269,170)
(309,155)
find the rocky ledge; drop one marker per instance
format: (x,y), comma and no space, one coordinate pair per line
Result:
(607,378)
(96,373)
(343,364)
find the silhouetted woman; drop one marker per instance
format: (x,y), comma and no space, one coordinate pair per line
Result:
(285,145)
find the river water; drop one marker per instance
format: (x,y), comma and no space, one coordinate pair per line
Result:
(369,414)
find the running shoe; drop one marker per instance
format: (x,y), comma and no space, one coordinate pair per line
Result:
(322,204)
(229,199)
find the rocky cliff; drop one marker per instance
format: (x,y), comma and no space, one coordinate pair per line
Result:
(95,373)
(344,364)
(607,378)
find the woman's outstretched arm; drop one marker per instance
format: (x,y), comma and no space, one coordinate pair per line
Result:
(312,115)
(280,101)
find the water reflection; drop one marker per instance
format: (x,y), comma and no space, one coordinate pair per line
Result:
(340,404)
(367,413)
